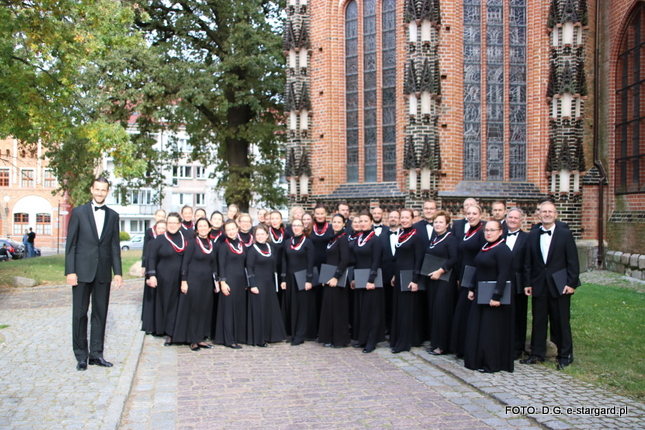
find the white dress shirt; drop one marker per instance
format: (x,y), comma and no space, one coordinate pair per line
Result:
(545,242)
(394,238)
(99,217)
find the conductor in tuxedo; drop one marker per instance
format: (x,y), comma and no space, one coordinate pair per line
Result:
(516,240)
(92,253)
(551,250)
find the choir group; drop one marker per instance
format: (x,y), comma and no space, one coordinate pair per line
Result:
(462,285)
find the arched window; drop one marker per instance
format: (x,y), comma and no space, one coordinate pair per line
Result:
(495,90)
(375,99)
(630,115)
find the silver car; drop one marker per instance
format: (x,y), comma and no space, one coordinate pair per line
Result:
(135,242)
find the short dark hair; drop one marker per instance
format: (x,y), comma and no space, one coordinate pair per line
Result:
(367,214)
(175,215)
(101,180)
(186,207)
(342,202)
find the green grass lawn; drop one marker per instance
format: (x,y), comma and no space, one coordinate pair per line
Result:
(608,325)
(50,270)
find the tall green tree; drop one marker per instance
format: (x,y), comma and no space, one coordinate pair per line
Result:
(220,75)
(52,89)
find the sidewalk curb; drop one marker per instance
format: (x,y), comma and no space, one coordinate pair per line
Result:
(116,407)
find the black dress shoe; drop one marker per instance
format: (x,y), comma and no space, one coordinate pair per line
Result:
(263,345)
(396,351)
(194,347)
(328,345)
(235,346)
(297,342)
(368,350)
(204,345)
(562,364)
(532,360)
(99,362)
(81,365)
(435,351)
(358,345)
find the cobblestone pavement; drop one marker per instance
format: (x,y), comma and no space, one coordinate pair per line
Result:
(157,387)
(40,387)
(285,387)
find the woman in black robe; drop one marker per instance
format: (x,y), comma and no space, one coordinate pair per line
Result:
(264,322)
(369,307)
(443,245)
(407,329)
(334,312)
(150,294)
(320,234)
(469,247)
(245,224)
(489,341)
(230,329)
(164,271)
(279,237)
(217,236)
(198,288)
(301,304)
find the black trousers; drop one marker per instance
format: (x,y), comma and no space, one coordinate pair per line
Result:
(81,294)
(556,311)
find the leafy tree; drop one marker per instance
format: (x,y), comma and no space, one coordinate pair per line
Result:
(50,88)
(220,73)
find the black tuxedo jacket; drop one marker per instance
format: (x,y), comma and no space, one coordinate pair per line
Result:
(387,258)
(458,228)
(85,254)
(517,267)
(422,228)
(563,254)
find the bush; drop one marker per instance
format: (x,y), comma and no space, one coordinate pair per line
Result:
(124,235)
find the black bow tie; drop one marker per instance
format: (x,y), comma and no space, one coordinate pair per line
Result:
(394,232)
(513,234)
(378,225)
(96,208)
(545,231)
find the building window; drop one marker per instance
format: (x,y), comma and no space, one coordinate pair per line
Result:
(200,172)
(49,181)
(389,89)
(184,146)
(351,89)
(369,90)
(181,172)
(181,199)
(4,177)
(630,151)
(138,226)
(27,178)
(20,223)
(43,224)
(377,67)
(200,199)
(486,133)
(141,197)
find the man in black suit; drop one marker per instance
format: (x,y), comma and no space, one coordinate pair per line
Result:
(424,227)
(91,254)
(377,214)
(389,238)
(516,240)
(551,250)
(460,226)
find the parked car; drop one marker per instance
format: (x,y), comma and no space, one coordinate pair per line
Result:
(16,249)
(135,242)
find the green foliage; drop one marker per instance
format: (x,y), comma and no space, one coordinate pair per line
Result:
(124,235)
(220,69)
(53,54)
(73,72)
